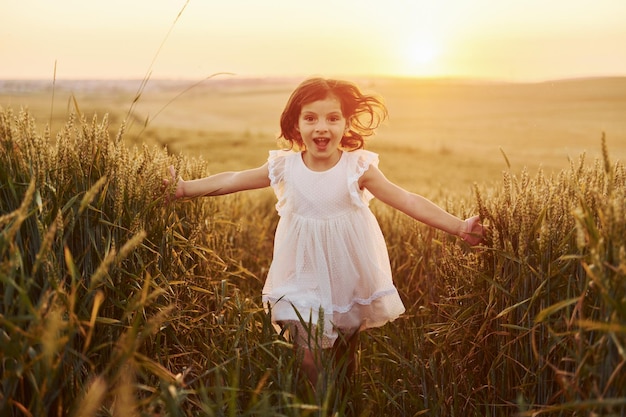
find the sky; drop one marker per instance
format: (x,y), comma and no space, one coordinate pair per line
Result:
(518,40)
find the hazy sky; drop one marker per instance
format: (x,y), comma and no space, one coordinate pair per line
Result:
(504,39)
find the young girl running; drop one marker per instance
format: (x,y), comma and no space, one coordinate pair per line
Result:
(330,264)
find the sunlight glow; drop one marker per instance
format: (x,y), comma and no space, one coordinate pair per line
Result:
(423,53)
(529,40)
(422,58)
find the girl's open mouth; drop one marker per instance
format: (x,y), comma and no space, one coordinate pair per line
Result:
(321,142)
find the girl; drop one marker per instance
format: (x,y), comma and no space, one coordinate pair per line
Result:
(330,264)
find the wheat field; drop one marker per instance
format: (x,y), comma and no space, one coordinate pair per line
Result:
(115,303)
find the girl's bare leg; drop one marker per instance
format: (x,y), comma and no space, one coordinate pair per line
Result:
(305,348)
(344,352)
(310,364)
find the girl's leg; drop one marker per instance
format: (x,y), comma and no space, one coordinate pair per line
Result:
(310,364)
(306,348)
(344,350)
(312,351)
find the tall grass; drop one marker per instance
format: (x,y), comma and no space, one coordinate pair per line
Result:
(117,303)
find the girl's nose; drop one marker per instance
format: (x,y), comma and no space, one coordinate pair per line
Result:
(321,126)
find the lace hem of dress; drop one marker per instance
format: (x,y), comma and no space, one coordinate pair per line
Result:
(364,301)
(364,160)
(336,309)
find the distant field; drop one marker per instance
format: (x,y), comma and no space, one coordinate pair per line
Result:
(441,136)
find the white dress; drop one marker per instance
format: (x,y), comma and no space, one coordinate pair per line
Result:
(330,255)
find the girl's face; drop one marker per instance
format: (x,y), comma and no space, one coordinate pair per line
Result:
(322,125)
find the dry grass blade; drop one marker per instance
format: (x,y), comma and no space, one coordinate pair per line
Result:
(54,81)
(154,58)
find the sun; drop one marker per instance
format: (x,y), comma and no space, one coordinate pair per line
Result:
(423,54)
(422,57)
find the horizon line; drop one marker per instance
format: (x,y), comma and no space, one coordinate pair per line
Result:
(236,77)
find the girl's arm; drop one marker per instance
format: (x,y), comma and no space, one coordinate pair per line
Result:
(419,207)
(222,183)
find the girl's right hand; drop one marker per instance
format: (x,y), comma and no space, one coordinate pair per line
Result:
(178,191)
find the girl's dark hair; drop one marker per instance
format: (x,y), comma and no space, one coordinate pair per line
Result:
(363,112)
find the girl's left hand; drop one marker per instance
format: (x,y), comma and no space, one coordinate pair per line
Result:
(474,231)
